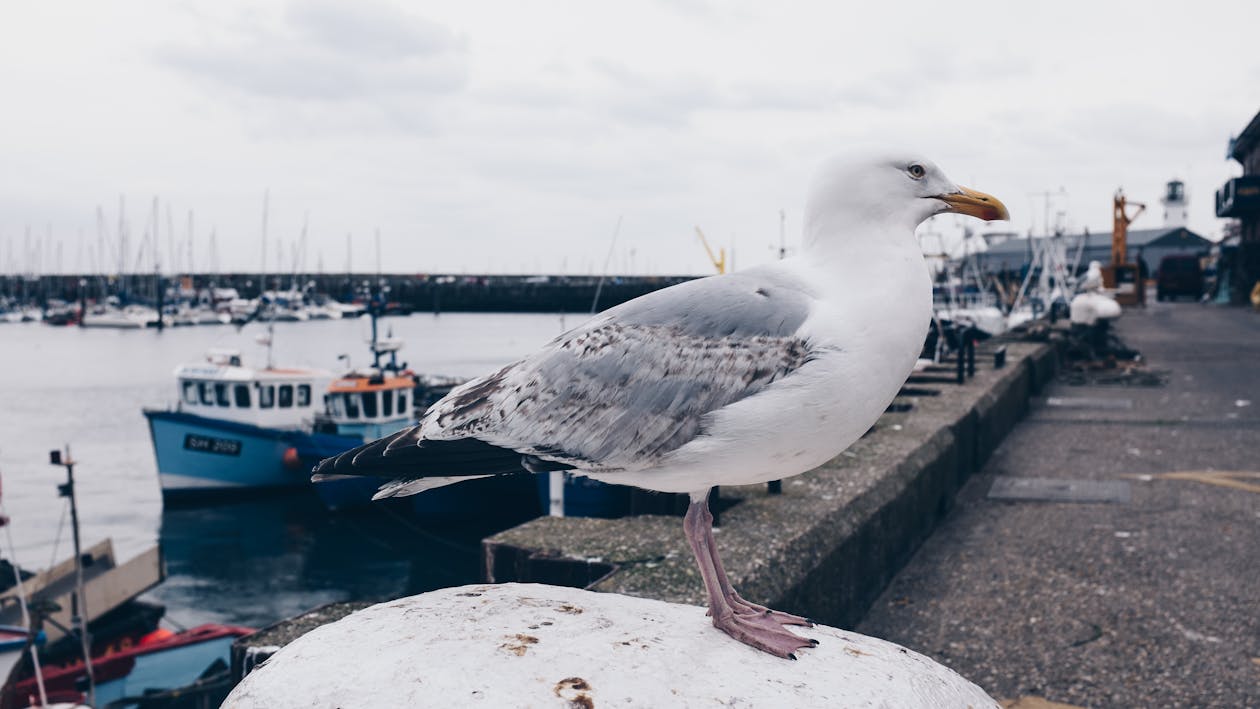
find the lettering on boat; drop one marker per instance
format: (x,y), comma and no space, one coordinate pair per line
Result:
(208,444)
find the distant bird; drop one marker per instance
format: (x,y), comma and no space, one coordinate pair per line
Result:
(727,380)
(1093,280)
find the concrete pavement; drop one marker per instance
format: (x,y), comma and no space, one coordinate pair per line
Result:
(1153,602)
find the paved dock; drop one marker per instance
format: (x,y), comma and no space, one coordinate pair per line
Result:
(1146,591)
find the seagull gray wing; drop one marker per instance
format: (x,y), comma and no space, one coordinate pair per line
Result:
(617,393)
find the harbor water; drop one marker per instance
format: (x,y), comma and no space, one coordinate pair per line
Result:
(247,562)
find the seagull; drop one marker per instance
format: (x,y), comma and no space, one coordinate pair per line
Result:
(732,379)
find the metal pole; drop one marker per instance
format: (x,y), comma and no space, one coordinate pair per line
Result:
(960,342)
(971,351)
(78,604)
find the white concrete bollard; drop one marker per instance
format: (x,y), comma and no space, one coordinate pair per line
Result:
(530,645)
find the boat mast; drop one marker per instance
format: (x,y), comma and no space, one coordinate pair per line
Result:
(599,285)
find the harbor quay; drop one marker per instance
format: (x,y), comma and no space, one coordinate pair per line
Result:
(1108,553)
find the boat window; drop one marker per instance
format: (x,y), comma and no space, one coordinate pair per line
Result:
(190,391)
(304,395)
(332,403)
(266,396)
(402,403)
(369,404)
(352,406)
(242,396)
(286,396)
(387,403)
(207,393)
(221,394)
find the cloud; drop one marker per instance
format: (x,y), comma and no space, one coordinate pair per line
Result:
(329,53)
(371,30)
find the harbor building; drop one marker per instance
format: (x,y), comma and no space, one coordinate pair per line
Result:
(1239,199)
(1149,245)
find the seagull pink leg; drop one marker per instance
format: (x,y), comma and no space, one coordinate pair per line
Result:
(737,602)
(746,622)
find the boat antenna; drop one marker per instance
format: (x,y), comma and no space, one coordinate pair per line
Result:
(373,308)
(78,602)
(375,301)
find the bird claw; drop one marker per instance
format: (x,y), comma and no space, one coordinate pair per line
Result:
(764,632)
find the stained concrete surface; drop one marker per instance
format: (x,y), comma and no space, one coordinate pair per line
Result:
(529,645)
(1154,603)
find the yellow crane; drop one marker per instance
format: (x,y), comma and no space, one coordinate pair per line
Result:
(1125,277)
(719,261)
(1121,219)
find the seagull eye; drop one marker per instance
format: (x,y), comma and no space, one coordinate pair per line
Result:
(916,171)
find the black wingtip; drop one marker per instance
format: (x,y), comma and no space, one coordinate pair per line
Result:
(386,458)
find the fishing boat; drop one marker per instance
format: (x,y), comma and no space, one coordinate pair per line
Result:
(159,661)
(234,427)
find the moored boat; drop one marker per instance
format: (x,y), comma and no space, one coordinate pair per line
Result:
(155,662)
(362,405)
(130,317)
(233,427)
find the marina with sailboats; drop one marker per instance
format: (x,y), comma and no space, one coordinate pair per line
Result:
(293,376)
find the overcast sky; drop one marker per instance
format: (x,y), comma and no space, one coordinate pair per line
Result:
(497,136)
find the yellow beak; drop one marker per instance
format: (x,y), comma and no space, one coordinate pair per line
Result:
(976,204)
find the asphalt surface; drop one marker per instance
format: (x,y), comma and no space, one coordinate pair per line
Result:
(1153,602)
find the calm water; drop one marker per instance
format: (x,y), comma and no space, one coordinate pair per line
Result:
(251,562)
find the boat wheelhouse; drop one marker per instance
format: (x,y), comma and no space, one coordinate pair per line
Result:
(222,388)
(234,427)
(375,401)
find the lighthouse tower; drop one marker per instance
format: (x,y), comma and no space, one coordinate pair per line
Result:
(1175,207)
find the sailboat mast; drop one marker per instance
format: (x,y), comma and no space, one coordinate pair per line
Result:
(374,305)
(262,269)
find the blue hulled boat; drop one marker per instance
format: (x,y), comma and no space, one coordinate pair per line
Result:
(235,428)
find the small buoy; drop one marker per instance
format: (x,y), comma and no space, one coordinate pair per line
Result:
(292,460)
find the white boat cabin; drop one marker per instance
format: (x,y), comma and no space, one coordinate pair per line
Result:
(221,388)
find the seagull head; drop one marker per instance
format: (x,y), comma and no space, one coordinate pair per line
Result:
(900,190)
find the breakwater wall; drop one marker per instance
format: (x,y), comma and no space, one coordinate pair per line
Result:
(405,292)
